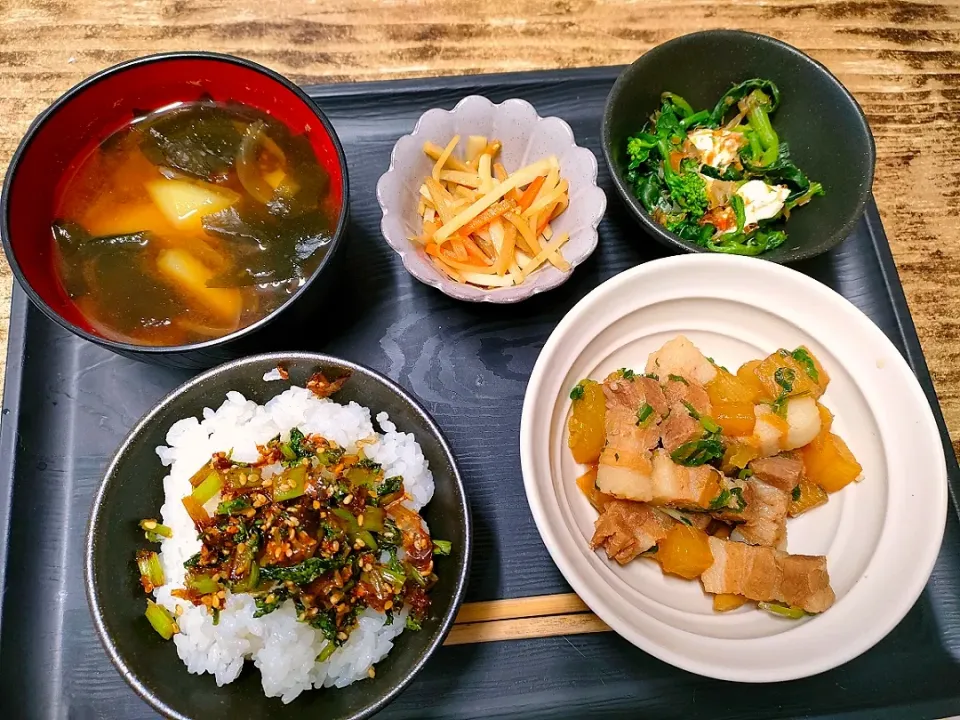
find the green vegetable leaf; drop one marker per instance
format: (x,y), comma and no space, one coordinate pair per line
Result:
(390,485)
(328,626)
(779,405)
(680,106)
(741,90)
(786,611)
(302,573)
(804,358)
(736,202)
(698,452)
(627,373)
(644,413)
(751,244)
(652,376)
(192,561)
(229,507)
(677,378)
(442,547)
(785,377)
(412,623)
(266,604)
(721,500)
(690,408)
(745,473)
(327,651)
(737,494)
(577,392)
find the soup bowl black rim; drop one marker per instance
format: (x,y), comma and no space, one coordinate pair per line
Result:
(96,518)
(673,240)
(79,88)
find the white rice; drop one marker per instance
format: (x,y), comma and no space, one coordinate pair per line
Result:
(281,647)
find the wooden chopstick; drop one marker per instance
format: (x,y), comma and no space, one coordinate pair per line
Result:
(535,606)
(520,618)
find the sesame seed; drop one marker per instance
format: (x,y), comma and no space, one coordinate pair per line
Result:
(360,519)
(289,552)
(178,610)
(293,521)
(388,604)
(241,547)
(371,672)
(176,628)
(222,594)
(216,577)
(267,483)
(316,506)
(149,524)
(336,598)
(359,544)
(368,567)
(336,545)
(341,635)
(348,499)
(271,598)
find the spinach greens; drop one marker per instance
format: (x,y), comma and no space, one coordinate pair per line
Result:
(695,193)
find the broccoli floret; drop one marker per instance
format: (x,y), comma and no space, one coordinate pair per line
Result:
(638,149)
(687,189)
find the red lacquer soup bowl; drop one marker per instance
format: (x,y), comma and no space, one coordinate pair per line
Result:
(88,113)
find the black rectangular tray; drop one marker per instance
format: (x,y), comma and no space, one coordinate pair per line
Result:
(67,405)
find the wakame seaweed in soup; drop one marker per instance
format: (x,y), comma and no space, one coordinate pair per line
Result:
(192,222)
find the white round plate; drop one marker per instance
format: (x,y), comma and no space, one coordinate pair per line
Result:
(881,536)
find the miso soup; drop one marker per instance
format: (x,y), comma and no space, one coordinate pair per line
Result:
(192,222)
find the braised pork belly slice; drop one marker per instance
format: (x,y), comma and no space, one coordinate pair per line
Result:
(767,575)
(626,529)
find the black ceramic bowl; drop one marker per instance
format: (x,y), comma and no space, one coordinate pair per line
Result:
(86,114)
(132,490)
(827,132)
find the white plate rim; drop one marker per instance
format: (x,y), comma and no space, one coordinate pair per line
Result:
(928,539)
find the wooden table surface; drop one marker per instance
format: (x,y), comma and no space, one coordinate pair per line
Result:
(900,59)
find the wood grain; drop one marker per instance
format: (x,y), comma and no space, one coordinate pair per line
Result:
(524,628)
(512,608)
(900,59)
(538,616)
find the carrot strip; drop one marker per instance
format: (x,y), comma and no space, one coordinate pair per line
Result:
(500,173)
(474,251)
(521,177)
(487,216)
(546,218)
(547,199)
(456,243)
(526,200)
(434,250)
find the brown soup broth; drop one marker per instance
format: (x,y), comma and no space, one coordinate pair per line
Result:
(190,223)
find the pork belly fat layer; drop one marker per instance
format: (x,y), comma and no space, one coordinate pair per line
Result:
(681,357)
(768,575)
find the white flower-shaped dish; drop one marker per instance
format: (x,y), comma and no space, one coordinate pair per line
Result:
(526,138)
